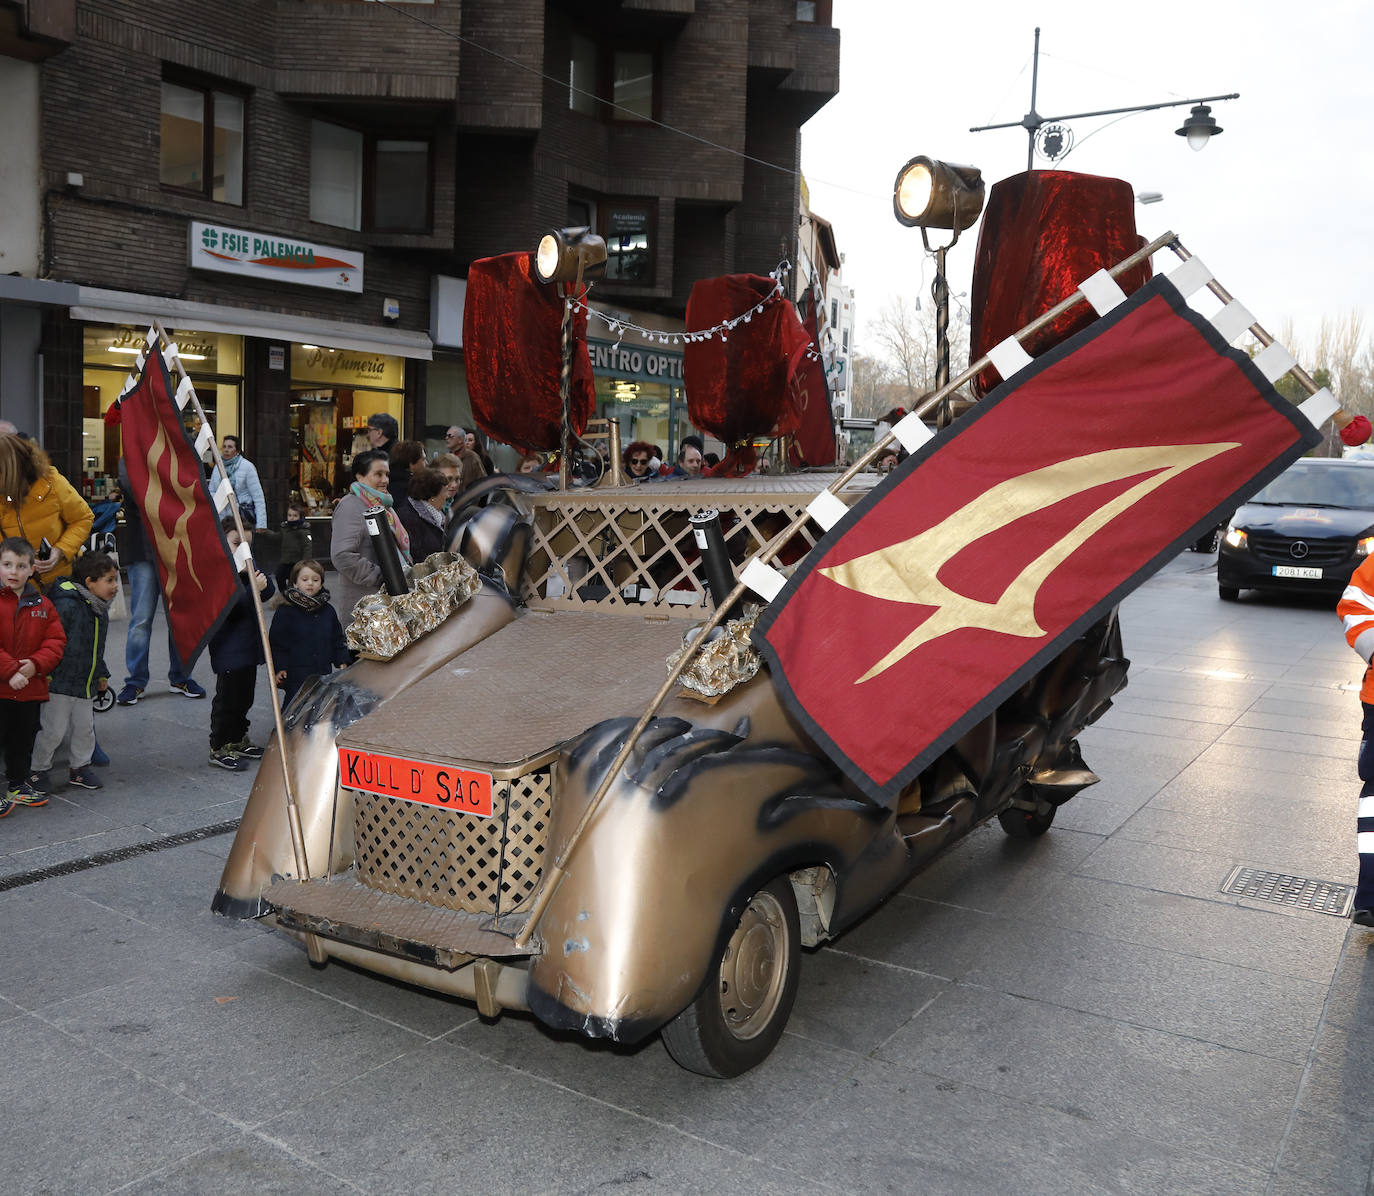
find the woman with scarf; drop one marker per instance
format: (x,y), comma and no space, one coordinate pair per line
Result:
(350,547)
(243,476)
(422,512)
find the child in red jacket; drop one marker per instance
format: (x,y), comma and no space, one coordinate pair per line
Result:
(31,645)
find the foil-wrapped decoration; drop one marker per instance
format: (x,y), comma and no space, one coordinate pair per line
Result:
(384,625)
(730,659)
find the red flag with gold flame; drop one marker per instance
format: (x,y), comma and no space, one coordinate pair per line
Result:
(195,567)
(1016,528)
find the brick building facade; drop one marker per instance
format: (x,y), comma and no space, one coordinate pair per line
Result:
(408,138)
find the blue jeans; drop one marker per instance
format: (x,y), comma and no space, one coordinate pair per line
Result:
(143,599)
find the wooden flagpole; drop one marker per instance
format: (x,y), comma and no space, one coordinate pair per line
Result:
(293,814)
(556,872)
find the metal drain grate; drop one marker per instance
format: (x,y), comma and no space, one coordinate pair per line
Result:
(1299,892)
(117,855)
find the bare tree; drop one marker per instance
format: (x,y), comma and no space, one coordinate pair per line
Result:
(905,335)
(871,386)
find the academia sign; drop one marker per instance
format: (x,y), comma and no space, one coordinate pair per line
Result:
(271,258)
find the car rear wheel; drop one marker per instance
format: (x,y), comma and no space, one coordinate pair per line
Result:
(1227,593)
(739,1015)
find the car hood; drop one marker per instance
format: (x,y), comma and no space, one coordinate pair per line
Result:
(1311,522)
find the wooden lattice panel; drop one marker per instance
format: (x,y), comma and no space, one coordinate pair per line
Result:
(593,554)
(477,865)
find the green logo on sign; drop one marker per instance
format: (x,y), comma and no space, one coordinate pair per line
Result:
(208,238)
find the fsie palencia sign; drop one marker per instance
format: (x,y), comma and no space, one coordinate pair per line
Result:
(274,258)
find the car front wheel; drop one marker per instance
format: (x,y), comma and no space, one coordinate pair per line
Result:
(739,1015)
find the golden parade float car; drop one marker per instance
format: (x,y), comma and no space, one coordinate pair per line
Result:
(436,788)
(572,777)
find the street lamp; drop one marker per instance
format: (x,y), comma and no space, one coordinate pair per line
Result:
(566,256)
(933,194)
(1055,140)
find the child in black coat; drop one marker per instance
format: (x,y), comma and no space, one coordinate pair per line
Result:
(307,638)
(235,654)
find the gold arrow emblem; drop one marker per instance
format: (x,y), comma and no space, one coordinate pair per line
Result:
(908,570)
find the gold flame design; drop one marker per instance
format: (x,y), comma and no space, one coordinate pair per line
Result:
(169,544)
(907,571)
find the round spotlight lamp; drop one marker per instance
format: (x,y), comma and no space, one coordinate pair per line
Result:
(933,194)
(1199,128)
(567,254)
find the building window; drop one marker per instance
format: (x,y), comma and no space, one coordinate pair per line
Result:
(202,142)
(400,188)
(844,341)
(632,85)
(364,181)
(336,175)
(834,311)
(581,212)
(582,81)
(806,10)
(629,242)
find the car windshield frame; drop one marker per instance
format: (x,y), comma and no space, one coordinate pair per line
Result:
(1350,487)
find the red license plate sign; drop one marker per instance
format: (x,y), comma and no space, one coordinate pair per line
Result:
(443,785)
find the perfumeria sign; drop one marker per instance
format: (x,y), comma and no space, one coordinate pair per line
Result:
(273,258)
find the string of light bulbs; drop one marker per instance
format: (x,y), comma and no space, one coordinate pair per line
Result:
(620,325)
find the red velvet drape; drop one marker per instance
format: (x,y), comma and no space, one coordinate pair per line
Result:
(1043,233)
(513,351)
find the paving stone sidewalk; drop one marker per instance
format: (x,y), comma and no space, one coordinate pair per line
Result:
(1087,1012)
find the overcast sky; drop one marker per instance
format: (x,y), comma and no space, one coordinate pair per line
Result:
(1279,206)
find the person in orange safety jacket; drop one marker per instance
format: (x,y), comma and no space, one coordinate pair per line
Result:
(1356,611)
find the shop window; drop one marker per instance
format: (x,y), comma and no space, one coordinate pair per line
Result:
(202,141)
(367,181)
(628,230)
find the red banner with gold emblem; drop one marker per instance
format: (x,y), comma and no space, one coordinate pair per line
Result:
(1017,527)
(199,581)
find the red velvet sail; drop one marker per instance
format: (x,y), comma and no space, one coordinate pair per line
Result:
(512,346)
(1043,233)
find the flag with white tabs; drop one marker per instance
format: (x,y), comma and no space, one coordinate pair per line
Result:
(198,573)
(1008,534)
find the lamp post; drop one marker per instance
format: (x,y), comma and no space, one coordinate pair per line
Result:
(1056,139)
(930,194)
(568,255)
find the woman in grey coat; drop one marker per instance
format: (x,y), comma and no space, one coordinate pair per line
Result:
(350,547)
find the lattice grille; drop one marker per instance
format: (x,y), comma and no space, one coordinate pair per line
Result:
(642,556)
(477,865)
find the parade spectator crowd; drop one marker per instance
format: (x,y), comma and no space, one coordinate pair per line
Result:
(59,583)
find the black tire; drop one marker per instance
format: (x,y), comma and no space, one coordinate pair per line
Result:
(1026,824)
(728,1030)
(1227,593)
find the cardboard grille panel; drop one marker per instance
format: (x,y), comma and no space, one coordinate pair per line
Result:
(640,555)
(477,865)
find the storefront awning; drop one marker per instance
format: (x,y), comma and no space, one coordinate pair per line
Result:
(125,307)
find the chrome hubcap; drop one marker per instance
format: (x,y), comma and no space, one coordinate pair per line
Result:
(753,969)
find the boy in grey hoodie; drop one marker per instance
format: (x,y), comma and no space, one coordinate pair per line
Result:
(83,603)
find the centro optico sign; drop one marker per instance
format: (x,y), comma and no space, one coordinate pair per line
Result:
(638,365)
(273,258)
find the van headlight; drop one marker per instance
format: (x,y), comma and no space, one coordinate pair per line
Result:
(1364,546)
(1235,537)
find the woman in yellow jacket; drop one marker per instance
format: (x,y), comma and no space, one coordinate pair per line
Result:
(37,503)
